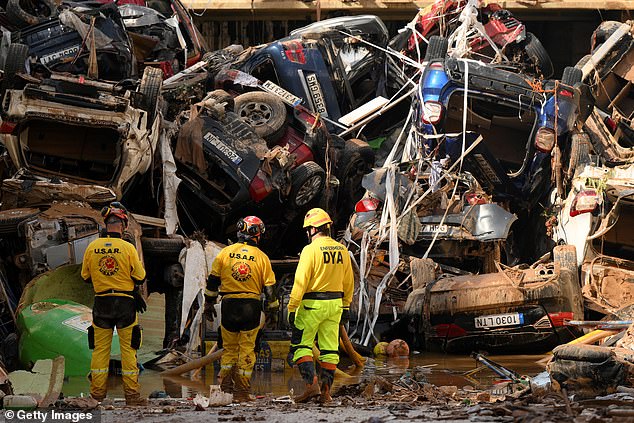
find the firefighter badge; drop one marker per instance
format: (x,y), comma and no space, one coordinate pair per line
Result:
(241,272)
(108,265)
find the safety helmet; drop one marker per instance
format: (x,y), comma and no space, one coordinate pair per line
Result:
(316,218)
(115,209)
(250,227)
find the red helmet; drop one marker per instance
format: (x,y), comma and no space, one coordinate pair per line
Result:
(117,210)
(250,227)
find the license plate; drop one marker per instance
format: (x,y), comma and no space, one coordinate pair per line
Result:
(62,54)
(499,320)
(285,96)
(317,95)
(441,229)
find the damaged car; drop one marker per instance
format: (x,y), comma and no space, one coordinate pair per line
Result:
(82,131)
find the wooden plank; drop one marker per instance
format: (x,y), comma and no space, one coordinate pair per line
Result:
(369,6)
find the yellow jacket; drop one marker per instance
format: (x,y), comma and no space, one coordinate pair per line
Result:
(244,270)
(112,263)
(324,266)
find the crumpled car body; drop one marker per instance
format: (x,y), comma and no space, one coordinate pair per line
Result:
(597,217)
(330,71)
(57,45)
(78,132)
(506,311)
(504,108)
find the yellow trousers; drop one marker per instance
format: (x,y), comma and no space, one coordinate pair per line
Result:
(239,351)
(101,359)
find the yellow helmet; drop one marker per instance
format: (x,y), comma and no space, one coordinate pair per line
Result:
(316,217)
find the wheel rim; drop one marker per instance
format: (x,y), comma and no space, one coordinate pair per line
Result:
(308,190)
(256,113)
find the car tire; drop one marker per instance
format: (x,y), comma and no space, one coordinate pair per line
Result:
(571,75)
(11,219)
(307,183)
(538,55)
(150,89)
(437,48)
(579,152)
(18,16)
(356,160)
(566,256)
(264,112)
(162,247)
(15,63)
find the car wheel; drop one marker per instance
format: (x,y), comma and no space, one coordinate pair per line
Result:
(437,48)
(150,89)
(538,55)
(162,247)
(579,152)
(264,112)
(307,183)
(23,13)
(571,75)
(355,162)
(15,63)
(10,219)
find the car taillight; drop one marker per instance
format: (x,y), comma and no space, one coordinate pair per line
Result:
(558,319)
(366,205)
(611,124)
(585,201)
(432,112)
(545,140)
(449,330)
(436,66)
(475,198)
(566,93)
(7,127)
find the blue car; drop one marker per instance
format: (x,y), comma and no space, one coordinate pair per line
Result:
(524,122)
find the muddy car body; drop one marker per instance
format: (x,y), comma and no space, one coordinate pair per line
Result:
(506,311)
(81,131)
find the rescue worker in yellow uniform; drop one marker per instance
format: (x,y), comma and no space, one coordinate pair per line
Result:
(114,268)
(319,303)
(240,273)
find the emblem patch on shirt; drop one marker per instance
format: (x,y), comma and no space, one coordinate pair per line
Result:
(241,272)
(108,265)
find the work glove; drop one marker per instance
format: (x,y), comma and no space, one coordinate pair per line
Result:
(139,303)
(345,317)
(210,310)
(291,319)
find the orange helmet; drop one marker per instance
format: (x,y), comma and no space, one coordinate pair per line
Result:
(250,227)
(115,209)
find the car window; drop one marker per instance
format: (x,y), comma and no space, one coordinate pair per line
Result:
(265,71)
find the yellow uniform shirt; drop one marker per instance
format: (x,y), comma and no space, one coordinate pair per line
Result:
(244,270)
(111,263)
(324,266)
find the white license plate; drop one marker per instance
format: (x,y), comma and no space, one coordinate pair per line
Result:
(441,229)
(317,95)
(499,320)
(280,92)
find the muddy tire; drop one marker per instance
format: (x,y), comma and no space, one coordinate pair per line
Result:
(355,162)
(162,247)
(14,64)
(585,353)
(307,183)
(566,256)
(264,112)
(579,152)
(150,89)
(10,219)
(571,75)
(437,48)
(603,32)
(538,55)
(23,13)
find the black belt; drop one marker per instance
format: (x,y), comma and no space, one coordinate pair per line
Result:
(238,292)
(322,295)
(115,291)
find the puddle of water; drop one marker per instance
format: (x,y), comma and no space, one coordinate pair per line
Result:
(448,370)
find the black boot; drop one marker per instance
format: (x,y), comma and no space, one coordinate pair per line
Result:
(307,370)
(326,376)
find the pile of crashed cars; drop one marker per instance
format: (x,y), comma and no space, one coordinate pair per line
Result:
(491,211)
